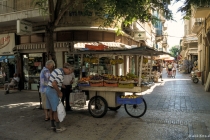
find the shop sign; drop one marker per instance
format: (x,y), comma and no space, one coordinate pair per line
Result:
(24,27)
(7,42)
(4,41)
(140,35)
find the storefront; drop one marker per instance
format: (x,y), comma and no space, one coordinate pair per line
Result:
(32,47)
(7,61)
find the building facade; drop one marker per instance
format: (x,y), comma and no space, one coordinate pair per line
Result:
(201,27)
(25,26)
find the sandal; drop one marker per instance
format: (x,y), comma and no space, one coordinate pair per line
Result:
(47,119)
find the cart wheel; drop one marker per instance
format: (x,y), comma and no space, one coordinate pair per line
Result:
(97,106)
(114,108)
(136,110)
(195,80)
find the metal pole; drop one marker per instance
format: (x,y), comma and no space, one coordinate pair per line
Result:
(140,70)
(150,71)
(80,75)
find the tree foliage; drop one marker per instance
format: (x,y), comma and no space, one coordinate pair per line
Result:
(186,8)
(127,11)
(112,12)
(174,50)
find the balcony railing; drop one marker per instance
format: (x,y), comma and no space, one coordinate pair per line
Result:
(8,6)
(196,25)
(201,10)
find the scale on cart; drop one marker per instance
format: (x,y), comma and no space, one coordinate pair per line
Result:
(113,96)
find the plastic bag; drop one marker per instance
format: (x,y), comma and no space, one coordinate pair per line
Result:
(61,111)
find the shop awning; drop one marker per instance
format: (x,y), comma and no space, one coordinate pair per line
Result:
(2,57)
(143,50)
(81,45)
(6,57)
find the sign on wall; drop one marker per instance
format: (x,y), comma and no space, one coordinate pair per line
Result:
(7,43)
(24,27)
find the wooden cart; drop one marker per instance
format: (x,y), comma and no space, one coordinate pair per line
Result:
(102,98)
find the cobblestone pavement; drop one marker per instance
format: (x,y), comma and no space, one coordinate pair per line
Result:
(177,110)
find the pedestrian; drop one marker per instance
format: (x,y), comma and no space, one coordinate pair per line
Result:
(67,88)
(170,69)
(14,81)
(174,69)
(53,93)
(160,70)
(2,75)
(44,78)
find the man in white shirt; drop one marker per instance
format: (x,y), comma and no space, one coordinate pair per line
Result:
(66,89)
(15,80)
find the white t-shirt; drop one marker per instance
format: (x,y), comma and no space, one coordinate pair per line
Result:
(68,78)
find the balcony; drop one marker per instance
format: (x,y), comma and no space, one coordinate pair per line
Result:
(8,6)
(164,43)
(202,10)
(197,25)
(11,10)
(158,34)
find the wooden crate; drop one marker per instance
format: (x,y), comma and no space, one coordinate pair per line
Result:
(107,84)
(126,85)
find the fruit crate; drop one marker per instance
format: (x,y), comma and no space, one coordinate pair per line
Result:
(126,85)
(110,84)
(96,83)
(137,100)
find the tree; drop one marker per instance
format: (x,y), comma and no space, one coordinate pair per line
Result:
(186,9)
(174,50)
(112,12)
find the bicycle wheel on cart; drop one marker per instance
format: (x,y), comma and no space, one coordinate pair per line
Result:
(136,110)
(97,106)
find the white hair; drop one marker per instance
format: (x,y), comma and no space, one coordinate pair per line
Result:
(50,62)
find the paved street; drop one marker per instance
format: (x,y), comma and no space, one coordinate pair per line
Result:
(177,110)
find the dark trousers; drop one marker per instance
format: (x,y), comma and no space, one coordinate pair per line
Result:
(66,93)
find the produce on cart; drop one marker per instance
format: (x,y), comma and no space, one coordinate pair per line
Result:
(106,89)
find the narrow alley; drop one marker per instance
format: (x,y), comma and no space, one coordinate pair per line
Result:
(178,109)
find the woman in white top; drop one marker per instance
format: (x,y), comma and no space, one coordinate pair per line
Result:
(174,69)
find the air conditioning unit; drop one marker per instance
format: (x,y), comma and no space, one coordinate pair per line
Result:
(140,35)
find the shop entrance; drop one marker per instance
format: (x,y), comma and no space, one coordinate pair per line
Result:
(32,65)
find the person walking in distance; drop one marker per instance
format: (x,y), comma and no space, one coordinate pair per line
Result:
(53,93)
(44,78)
(174,69)
(67,89)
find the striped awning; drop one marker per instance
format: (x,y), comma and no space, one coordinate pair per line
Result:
(80,45)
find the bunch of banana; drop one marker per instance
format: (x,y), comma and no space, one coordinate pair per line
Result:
(94,60)
(116,61)
(145,60)
(87,59)
(113,62)
(120,61)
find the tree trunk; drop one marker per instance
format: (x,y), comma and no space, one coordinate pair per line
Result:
(50,43)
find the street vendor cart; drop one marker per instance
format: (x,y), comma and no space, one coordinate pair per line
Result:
(105,93)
